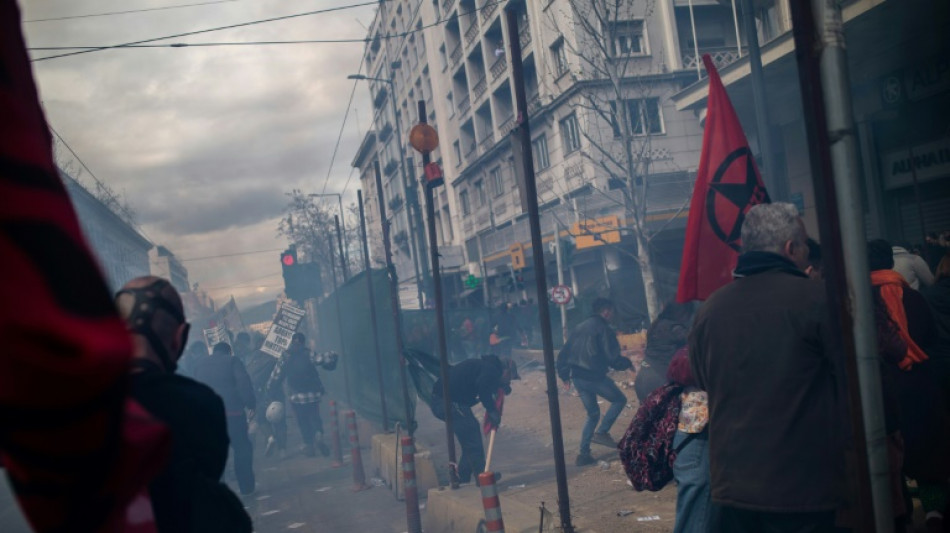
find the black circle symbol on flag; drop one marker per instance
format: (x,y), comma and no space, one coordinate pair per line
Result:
(737,184)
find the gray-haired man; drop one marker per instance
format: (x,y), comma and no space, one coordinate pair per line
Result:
(762,348)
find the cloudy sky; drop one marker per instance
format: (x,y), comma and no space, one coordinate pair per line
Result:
(204,142)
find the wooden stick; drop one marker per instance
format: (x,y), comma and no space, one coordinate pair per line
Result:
(491,446)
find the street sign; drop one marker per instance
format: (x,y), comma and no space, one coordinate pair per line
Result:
(472,282)
(561,294)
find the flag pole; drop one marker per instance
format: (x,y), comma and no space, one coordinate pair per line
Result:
(829,126)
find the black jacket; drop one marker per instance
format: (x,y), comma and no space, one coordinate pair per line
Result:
(195,416)
(226,375)
(763,350)
(938,296)
(473,380)
(591,349)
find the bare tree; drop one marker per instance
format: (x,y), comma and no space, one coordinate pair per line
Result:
(621,107)
(118,203)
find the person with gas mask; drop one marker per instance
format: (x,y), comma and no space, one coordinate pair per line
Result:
(187,495)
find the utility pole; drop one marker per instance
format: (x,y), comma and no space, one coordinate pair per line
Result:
(339,240)
(560,280)
(372,312)
(439,311)
(339,320)
(522,130)
(394,299)
(829,126)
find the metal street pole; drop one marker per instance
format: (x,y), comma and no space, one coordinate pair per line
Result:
(560,280)
(372,312)
(394,299)
(523,131)
(760,104)
(339,239)
(439,313)
(339,320)
(339,198)
(829,125)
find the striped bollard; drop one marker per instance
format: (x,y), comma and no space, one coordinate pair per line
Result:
(359,477)
(335,436)
(493,521)
(409,485)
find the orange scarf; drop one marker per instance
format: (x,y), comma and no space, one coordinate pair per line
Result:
(892,292)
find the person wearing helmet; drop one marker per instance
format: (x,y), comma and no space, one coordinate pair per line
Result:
(260,365)
(299,366)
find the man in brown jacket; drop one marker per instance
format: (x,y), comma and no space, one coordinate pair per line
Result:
(762,348)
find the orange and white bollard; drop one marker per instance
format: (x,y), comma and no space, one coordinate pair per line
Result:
(359,477)
(335,435)
(413,520)
(493,521)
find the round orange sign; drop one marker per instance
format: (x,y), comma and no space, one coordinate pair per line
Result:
(423,138)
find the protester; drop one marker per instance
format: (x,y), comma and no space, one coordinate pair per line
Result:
(242,347)
(273,424)
(924,422)
(186,495)
(472,381)
(666,335)
(762,349)
(299,366)
(694,510)
(226,375)
(584,360)
(913,267)
(938,296)
(813,270)
(196,352)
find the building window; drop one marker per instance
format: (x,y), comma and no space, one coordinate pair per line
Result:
(570,134)
(480,193)
(496,181)
(539,149)
(644,115)
(458,153)
(447,219)
(443,59)
(451,101)
(627,38)
(559,53)
(463,199)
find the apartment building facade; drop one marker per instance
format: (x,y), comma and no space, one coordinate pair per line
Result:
(606,134)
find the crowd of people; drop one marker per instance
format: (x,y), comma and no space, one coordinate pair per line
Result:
(763,438)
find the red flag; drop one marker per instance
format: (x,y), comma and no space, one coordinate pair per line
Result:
(727,186)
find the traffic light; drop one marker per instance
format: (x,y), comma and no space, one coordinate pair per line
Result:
(301,280)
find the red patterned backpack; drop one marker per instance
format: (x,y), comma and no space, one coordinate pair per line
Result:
(646,449)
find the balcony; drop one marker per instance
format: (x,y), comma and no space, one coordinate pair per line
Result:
(498,67)
(471,33)
(534,104)
(464,105)
(720,56)
(486,143)
(456,55)
(524,37)
(391,166)
(470,152)
(489,10)
(479,89)
(507,125)
(447,6)
(395,203)
(574,175)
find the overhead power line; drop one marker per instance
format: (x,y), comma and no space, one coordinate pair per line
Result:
(196,32)
(71,17)
(196,45)
(235,254)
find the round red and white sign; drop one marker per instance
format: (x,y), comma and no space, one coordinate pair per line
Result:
(561,294)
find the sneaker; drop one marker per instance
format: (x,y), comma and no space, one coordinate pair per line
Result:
(323,449)
(604,439)
(269,449)
(584,459)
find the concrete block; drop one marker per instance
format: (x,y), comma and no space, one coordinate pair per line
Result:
(456,511)
(387,465)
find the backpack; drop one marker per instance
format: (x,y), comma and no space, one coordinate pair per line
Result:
(646,449)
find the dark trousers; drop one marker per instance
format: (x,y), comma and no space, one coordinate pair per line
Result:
(308,420)
(733,520)
(468,431)
(243,452)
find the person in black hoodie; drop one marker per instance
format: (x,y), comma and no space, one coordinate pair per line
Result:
(584,359)
(299,366)
(186,495)
(226,375)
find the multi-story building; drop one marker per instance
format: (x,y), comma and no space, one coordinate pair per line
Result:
(610,148)
(164,264)
(122,252)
